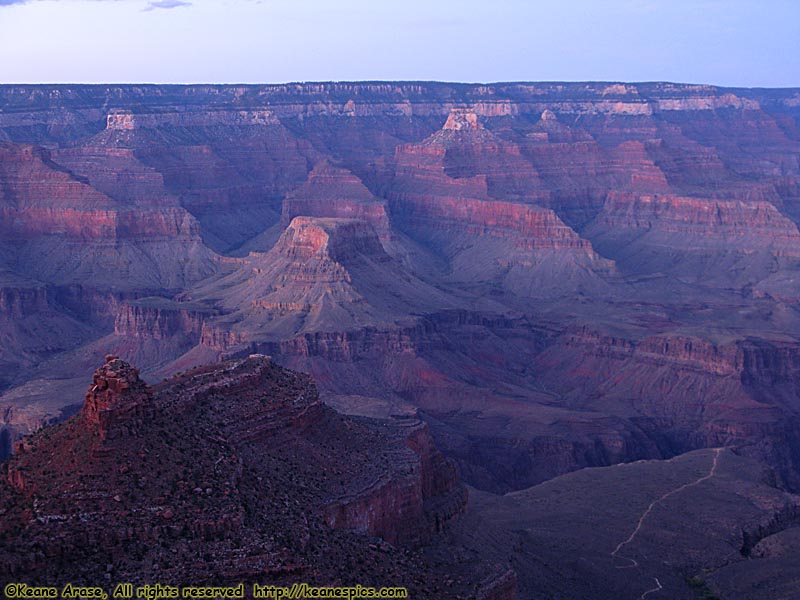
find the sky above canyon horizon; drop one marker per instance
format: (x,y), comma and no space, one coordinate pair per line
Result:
(721,42)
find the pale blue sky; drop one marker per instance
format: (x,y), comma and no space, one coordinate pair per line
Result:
(724,42)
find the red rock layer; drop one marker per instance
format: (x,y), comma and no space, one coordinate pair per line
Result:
(31,180)
(676,181)
(323,275)
(526,227)
(98,225)
(336,192)
(735,225)
(686,391)
(230,177)
(114,170)
(683,351)
(463,148)
(116,397)
(409,511)
(338,239)
(63,229)
(426,196)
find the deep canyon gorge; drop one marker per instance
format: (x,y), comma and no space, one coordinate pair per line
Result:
(519,322)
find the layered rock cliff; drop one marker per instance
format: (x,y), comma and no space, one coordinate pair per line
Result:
(62,230)
(337,193)
(426,245)
(460,182)
(554,275)
(735,242)
(323,274)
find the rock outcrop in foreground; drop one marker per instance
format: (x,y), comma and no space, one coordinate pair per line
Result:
(229,473)
(117,396)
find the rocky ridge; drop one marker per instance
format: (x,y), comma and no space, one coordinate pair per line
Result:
(228,473)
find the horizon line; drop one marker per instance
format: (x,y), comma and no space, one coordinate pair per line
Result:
(403,81)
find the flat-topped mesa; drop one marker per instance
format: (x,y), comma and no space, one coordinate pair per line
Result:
(462,119)
(116,395)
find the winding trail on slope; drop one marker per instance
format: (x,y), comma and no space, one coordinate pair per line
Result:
(654,590)
(632,536)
